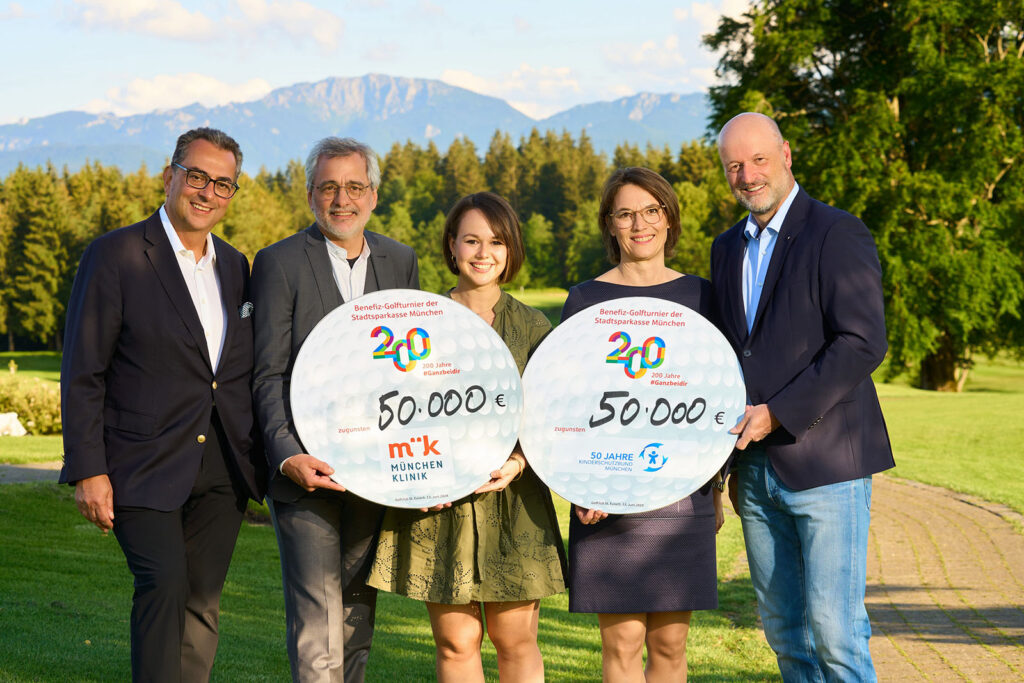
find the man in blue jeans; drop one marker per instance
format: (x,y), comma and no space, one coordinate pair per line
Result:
(798,294)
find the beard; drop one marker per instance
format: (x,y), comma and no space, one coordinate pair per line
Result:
(336,232)
(762,205)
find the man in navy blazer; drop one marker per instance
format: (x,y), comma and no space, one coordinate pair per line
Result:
(798,294)
(326,535)
(157,405)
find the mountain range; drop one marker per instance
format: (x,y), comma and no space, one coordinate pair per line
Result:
(375,108)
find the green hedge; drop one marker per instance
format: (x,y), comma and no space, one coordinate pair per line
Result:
(36,402)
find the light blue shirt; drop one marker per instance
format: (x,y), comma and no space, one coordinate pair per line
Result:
(760,245)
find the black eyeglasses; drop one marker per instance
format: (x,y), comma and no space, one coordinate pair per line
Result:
(224,189)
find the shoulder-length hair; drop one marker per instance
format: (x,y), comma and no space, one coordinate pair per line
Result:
(504,224)
(653,183)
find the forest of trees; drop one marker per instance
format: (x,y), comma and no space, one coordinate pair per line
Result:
(47,217)
(909,115)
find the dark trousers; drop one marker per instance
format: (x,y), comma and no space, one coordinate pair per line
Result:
(327,541)
(179,560)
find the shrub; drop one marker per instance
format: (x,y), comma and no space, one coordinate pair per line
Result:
(37,402)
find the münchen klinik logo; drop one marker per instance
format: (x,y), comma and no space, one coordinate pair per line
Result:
(389,349)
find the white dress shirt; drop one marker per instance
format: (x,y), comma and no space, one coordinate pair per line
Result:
(204,287)
(351,280)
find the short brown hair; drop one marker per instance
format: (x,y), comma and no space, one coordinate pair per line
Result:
(504,224)
(217,138)
(650,181)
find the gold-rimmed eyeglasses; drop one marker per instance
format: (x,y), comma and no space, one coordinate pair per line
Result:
(623,218)
(354,190)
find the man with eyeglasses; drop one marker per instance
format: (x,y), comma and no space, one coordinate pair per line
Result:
(157,409)
(326,535)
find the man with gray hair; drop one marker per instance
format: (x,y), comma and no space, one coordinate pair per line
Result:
(325,534)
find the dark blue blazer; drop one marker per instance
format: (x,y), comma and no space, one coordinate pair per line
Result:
(137,384)
(818,333)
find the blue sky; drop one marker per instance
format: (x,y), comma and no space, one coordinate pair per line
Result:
(132,56)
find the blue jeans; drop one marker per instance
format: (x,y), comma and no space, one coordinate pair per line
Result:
(807,552)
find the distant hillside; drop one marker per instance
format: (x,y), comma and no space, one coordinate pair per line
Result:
(375,108)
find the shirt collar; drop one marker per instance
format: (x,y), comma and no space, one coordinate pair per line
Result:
(774,226)
(340,253)
(176,244)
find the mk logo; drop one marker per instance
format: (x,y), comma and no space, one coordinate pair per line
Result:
(403,450)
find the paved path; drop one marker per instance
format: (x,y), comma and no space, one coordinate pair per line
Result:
(40,471)
(945,585)
(945,582)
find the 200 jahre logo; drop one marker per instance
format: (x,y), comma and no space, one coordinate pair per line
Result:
(628,355)
(393,350)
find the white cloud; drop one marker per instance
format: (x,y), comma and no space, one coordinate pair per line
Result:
(383,52)
(680,13)
(621,90)
(164,18)
(650,54)
(296,19)
(14,11)
(536,91)
(431,9)
(522,25)
(706,14)
(177,90)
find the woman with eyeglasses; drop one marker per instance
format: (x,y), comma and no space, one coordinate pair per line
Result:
(497,552)
(643,573)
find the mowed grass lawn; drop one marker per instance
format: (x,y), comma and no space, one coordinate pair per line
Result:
(968,442)
(65,597)
(65,592)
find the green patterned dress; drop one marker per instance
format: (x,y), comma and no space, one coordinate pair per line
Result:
(489,547)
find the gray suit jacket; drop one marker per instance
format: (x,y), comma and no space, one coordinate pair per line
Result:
(293,288)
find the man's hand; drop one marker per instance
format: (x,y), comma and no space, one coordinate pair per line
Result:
(589,515)
(757,423)
(310,473)
(94,497)
(734,491)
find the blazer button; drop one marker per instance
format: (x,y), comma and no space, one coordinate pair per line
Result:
(746,353)
(214,385)
(201,438)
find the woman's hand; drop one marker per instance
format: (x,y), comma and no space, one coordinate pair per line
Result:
(716,496)
(502,477)
(589,515)
(439,506)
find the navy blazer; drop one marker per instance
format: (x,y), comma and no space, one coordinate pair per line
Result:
(137,384)
(293,288)
(818,333)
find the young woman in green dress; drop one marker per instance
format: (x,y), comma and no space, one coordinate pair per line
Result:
(498,551)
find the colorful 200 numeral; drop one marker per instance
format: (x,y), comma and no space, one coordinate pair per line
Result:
(393,351)
(625,355)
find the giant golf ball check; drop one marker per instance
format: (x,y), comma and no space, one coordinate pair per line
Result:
(629,405)
(412,398)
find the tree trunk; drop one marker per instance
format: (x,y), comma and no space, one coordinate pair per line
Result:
(10,339)
(939,370)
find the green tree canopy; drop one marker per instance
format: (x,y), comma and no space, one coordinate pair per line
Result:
(910,115)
